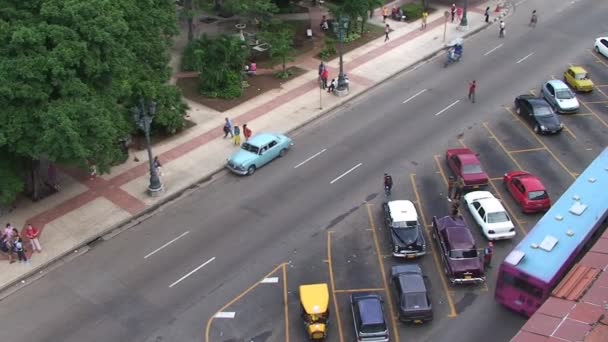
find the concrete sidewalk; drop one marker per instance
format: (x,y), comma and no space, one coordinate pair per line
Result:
(86,208)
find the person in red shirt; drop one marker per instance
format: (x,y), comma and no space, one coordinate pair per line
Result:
(32,234)
(324,77)
(487,255)
(472,87)
(246,132)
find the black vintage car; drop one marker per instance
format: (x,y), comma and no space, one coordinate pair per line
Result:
(413,298)
(401,219)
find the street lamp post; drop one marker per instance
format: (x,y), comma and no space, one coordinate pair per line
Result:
(143,116)
(341,30)
(464,23)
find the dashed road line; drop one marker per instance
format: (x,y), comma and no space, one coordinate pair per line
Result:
(413,96)
(270,280)
(191,272)
(446,108)
(225,314)
(166,244)
(310,158)
(345,173)
(524,58)
(439,269)
(493,49)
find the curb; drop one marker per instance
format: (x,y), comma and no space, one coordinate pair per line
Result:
(37,273)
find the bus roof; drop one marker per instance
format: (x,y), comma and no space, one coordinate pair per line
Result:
(556,236)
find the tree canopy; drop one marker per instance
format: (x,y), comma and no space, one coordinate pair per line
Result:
(70,71)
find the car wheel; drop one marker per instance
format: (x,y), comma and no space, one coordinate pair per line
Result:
(251,170)
(283,152)
(597,49)
(536,129)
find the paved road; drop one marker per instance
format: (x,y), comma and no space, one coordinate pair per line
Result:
(230,233)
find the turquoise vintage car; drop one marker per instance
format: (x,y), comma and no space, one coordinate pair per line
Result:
(258,151)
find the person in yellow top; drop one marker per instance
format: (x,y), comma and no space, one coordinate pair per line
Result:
(425,15)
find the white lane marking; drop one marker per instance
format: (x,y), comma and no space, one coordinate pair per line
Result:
(345,173)
(524,58)
(412,97)
(165,245)
(270,280)
(310,158)
(448,107)
(492,50)
(225,314)
(191,272)
(520,2)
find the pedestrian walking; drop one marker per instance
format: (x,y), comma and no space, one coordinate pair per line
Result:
(425,16)
(387,30)
(472,88)
(19,249)
(458,189)
(533,19)
(321,68)
(487,255)
(8,230)
(501,32)
(158,167)
(237,136)
(324,78)
(246,132)
(7,238)
(384,13)
(92,171)
(5,247)
(451,183)
(332,86)
(453,11)
(455,210)
(487,14)
(32,234)
(228,128)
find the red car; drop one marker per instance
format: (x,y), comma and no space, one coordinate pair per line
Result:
(464,164)
(528,191)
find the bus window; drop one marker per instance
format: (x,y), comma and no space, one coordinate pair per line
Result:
(522,285)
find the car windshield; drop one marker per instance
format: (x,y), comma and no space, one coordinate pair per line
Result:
(538,195)
(471,169)
(405,224)
(564,94)
(372,328)
(463,253)
(497,217)
(580,76)
(415,300)
(250,148)
(543,112)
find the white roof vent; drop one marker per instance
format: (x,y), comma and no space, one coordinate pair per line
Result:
(515,257)
(570,232)
(548,243)
(578,208)
(559,217)
(591,180)
(576,197)
(534,245)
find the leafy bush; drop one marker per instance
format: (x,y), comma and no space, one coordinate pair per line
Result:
(231,86)
(352,37)
(283,74)
(412,11)
(169,118)
(189,58)
(329,49)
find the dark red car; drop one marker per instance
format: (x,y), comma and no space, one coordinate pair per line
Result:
(461,261)
(464,164)
(528,191)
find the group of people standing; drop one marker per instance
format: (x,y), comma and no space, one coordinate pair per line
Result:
(12,244)
(235,131)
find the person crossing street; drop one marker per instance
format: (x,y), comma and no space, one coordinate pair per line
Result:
(472,88)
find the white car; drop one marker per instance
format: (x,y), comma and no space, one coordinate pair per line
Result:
(601,46)
(490,215)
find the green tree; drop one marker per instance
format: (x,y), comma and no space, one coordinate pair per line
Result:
(70,69)
(281,44)
(220,65)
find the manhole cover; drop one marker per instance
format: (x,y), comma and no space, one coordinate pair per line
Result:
(208,20)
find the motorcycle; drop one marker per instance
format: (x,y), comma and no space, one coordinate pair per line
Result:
(454,53)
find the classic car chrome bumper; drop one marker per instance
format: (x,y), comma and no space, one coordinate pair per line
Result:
(409,254)
(235,170)
(471,280)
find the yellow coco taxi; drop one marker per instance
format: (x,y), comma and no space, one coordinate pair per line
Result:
(577,78)
(314,300)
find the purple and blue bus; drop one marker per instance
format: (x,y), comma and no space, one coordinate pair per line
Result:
(530,272)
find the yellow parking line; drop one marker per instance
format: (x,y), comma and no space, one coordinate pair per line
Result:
(569,131)
(597,59)
(461,142)
(235,299)
(445,179)
(595,114)
(601,91)
(359,290)
(496,178)
(533,92)
(501,145)
(434,253)
(508,208)
(528,150)
(582,114)
(285,302)
(542,143)
(381,264)
(333,286)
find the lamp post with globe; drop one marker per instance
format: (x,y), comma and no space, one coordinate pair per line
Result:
(143,116)
(341,29)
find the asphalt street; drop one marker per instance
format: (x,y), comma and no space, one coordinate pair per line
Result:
(314,215)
